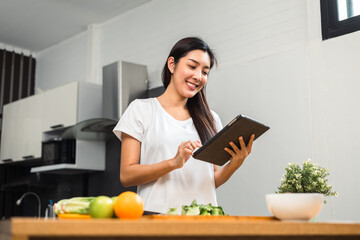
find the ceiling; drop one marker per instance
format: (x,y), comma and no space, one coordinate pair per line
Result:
(38,24)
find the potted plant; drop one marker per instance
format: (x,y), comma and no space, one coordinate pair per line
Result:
(301,193)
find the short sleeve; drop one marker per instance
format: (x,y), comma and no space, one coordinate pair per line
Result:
(131,122)
(217,119)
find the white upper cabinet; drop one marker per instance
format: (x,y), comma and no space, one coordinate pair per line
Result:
(25,120)
(11,132)
(30,124)
(21,137)
(60,107)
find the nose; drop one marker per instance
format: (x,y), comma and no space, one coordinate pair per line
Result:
(198,75)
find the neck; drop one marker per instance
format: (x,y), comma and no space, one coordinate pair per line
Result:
(171,98)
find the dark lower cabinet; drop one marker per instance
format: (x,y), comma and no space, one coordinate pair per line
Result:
(16,179)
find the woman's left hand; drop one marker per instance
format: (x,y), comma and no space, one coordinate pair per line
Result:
(238,155)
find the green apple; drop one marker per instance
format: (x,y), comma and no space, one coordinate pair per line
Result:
(101,207)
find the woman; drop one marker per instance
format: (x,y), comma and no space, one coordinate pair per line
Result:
(160,134)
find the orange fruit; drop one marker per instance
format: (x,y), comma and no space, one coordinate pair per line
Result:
(129,205)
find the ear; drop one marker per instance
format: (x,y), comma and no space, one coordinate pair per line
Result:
(171,64)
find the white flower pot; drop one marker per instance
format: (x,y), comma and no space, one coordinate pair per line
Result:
(294,206)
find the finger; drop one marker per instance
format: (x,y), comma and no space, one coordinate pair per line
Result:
(235,148)
(249,146)
(242,144)
(193,145)
(184,145)
(230,152)
(188,151)
(198,143)
(190,146)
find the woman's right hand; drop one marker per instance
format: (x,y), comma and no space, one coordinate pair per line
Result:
(185,151)
(133,173)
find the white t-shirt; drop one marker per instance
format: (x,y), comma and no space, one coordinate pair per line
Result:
(160,135)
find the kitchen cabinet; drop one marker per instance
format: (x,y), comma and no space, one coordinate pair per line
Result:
(60,107)
(25,120)
(30,129)
(21,134)
(68,111)
(72,103)
(10,134)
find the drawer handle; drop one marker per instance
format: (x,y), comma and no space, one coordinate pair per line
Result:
(28,157)
(7,160)
(57,126)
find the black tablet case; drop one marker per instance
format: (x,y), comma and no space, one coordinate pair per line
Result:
(213,150)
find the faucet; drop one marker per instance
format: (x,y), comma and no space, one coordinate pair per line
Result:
(18,202)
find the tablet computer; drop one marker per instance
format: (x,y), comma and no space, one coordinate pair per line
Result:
(213,150)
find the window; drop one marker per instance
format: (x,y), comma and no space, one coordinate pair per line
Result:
(339,17)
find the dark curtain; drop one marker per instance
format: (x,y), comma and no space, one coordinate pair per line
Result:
(17,77)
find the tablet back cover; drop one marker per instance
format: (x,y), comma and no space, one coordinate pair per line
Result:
(213,151)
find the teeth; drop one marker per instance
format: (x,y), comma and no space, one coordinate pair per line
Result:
(191,84)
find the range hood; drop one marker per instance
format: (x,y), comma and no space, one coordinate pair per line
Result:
(123,82)
(92,129)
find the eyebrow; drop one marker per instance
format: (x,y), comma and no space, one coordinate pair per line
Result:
(197,62)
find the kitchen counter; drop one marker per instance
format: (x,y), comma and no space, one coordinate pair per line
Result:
(177,227)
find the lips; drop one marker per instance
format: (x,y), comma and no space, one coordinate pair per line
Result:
(191,85)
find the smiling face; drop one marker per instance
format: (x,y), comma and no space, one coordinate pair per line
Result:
(189,74)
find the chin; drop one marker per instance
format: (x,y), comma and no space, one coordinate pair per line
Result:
(189,95)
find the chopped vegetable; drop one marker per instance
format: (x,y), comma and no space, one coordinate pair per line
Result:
(172,211)
(191,210)
(217,211)
(198,209)
(206,209)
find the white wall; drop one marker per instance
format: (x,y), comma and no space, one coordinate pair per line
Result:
(334,71)
(273,67)
(62,63)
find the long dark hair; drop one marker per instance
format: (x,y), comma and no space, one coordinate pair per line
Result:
(197,106)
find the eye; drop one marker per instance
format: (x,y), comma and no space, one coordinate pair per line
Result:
(205,73)
(192,67)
